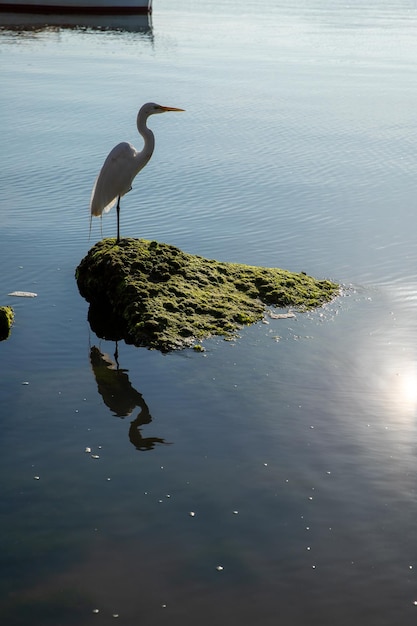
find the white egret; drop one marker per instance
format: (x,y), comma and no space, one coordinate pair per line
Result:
(121,166)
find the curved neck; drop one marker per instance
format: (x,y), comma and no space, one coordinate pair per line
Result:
(149,140)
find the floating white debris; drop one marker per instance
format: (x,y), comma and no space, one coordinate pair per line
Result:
(88,450)
(115,615)
(235,512)
(191,514)
(96,611)
(23,294)
(25,382)
(280,316)
(219,568)
(36,478)
(95,456)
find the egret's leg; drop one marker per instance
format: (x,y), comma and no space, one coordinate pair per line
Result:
(118,220)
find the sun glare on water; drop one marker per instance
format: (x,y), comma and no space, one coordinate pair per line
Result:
(407,388)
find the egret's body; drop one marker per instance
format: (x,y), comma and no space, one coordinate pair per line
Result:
(123,163)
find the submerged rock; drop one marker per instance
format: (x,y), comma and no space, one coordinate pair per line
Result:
(160,297)
(6,321)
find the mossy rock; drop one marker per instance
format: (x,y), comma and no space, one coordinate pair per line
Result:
(6,321)
(160,297)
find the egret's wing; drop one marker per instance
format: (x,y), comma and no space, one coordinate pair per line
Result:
(115,178)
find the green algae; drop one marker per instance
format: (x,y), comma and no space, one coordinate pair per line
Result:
(6,321)
(164,298)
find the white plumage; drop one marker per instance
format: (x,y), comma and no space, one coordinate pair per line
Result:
(121,166)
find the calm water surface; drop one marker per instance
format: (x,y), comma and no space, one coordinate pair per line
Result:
(294,446)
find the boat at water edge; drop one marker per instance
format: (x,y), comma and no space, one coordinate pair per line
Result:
(121,7)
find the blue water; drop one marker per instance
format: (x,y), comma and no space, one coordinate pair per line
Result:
(294,445)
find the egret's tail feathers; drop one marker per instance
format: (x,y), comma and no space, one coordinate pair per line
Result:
(97,206)
(110,205)
(101,200)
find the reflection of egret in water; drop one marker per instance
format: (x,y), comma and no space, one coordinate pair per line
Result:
(118,394)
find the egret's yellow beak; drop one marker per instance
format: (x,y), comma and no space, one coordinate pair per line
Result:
(171,109)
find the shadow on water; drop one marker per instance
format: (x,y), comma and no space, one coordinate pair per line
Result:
(103,322)
(121,397)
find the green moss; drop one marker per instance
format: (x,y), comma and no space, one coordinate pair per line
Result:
(165,298)
(6,321)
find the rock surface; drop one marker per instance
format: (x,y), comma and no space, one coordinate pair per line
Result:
(157,296)
(6,321)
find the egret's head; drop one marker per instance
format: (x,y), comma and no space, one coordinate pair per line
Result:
(150,108)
